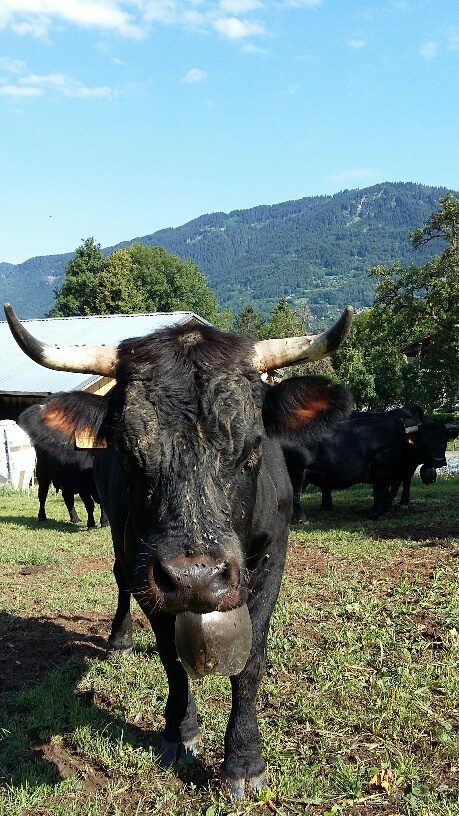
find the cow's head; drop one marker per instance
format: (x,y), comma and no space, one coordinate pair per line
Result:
(185,421)
(428,441)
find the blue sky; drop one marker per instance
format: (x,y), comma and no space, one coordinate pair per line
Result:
(120,117)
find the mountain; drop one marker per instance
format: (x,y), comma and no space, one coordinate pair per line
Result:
(319,248)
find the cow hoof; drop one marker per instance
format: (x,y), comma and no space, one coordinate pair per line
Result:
(92,528)
(175,753)
(112,654)
(188,751)
(239,788)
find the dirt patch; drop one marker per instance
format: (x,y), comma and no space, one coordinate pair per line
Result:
(419,564)
(33,569)
(311,558)
(68,764)
(29,647)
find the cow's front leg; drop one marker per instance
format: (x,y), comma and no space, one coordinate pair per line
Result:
(405,497)
(181,734)
(327,501)
(120,640)
(244,767)
(89,505)
(69,499)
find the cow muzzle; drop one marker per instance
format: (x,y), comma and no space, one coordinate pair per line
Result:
(195,583)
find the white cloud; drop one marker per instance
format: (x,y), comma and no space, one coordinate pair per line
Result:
(11,66)
(17,90)
(356,43)
(36,16)
(429,50)
(193,76)
(236,29)
(64,85)
(303,3)
(40,84)
(250,48)
(359,174)
(239,6)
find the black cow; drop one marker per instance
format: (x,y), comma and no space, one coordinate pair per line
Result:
(197,494)
(379,448)
(68,470)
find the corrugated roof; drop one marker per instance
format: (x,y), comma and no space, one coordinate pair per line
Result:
(18,373)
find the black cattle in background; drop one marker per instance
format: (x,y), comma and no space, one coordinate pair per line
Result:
(69,471)
(197,493)
(379,448)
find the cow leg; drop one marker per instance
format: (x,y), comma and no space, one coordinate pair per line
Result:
(104,522)
(244,767)
(69,499)
(327,502)
(381,498)
(120,640)
(405,497)
(181,731)
(297,481)
(394,490)
(43,486)
(89,505)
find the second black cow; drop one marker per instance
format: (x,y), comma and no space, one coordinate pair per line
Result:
(68,470)
(381,448)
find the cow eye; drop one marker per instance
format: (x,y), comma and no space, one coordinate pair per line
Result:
(254,455)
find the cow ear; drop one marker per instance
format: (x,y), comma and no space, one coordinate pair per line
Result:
(410,431)
(301,408)
(77,418)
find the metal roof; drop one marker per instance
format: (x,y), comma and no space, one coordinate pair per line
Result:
(19,374)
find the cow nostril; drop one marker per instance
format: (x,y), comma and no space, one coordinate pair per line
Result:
(162,580)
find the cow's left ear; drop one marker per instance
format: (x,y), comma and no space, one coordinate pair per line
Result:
(76,419)
(301,408)
(410,433)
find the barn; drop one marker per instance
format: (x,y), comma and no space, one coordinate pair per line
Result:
(24,383)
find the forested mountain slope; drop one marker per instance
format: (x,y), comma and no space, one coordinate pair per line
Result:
(319,248)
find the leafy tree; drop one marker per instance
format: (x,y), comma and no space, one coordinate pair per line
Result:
(283,322)
(137,278)
(423,301)
(77,295)
(410,304)
(248,321)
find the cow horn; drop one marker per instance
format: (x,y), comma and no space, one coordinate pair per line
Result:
(290,350)
(85,359)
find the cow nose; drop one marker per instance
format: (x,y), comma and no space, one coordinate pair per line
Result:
(197,583)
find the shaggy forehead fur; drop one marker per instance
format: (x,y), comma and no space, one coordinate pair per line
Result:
(194,386)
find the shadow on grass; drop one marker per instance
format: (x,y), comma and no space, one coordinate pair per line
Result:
(41,664)
(32,523)
(431,515)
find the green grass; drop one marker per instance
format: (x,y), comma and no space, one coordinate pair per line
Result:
(362,673)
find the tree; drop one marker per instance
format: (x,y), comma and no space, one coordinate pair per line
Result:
(248,321)
(76,296)
(411,304)
(423,301)
(136,278)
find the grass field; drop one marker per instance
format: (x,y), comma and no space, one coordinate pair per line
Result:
(359,711)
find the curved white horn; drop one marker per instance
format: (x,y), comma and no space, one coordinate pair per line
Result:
(85,359)
(290,350)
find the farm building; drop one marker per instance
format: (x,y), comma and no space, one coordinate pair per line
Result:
(23,382)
